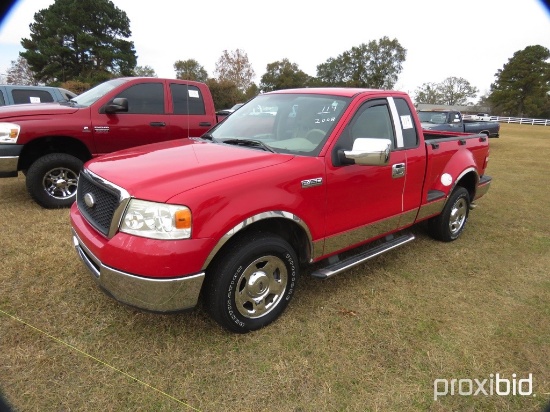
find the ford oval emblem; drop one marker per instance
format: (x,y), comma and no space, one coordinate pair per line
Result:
(89,200)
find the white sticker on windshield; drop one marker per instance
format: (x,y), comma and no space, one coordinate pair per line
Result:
(35,99)
(406,122)
(194,93)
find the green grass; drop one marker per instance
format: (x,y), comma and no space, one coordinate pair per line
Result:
(371,339)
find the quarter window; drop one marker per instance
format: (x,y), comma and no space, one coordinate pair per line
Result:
(187,99)
(406,119)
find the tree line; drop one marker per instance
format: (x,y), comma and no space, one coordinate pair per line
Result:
(78,45)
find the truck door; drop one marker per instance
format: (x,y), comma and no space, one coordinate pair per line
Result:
(189,118)
(364,201)
(145,122)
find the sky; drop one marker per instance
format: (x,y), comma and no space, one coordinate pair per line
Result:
(471,39)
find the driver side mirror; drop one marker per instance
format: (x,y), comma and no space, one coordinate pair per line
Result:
(367,152)
(120,104)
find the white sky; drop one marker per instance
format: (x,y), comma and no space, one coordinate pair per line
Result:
(470,39)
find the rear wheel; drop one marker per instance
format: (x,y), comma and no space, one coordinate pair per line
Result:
(52,180)
(451,222)
(252,283)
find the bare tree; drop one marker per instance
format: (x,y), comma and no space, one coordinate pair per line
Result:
(20,73)
(235,67)
(428,93)
(457,90)
(451,91)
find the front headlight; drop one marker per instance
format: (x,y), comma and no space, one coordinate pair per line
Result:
(9,132)
(156,220)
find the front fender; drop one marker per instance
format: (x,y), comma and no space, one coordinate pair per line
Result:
(276,214)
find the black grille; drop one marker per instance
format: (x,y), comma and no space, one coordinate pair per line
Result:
(106,200)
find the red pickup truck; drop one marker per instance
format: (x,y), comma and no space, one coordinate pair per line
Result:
(51,141)
(291,178)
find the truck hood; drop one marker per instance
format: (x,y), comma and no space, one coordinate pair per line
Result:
(35,109)
(161,171)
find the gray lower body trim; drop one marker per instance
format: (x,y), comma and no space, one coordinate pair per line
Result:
(431,209)
(359,235)
(483,186)
(157,295)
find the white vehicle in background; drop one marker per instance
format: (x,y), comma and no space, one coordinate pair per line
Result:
(485,117)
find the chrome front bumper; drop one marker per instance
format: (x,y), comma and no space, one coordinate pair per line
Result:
(9,159)
(157,295)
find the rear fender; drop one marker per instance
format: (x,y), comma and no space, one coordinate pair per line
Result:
(460,170)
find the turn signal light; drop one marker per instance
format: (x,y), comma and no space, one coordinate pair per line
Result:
(183,219)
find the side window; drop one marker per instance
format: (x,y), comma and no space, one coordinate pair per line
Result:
(67,95)
(2,102)
(21,96)
(410,136)
(455,117)
(187,99)
(373,121)
(145,98)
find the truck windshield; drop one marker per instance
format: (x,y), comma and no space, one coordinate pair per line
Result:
(432,117)
(284,123)
(94,94)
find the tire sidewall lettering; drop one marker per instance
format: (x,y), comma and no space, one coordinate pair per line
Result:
(230,301)
(231,291)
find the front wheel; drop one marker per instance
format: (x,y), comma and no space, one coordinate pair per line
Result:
(252,283)
(52,180)
(450,223)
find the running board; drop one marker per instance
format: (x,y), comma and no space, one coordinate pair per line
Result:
(343,265)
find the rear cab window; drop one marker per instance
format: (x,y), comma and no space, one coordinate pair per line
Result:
(21,96)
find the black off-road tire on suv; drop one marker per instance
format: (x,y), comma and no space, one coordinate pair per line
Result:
(52,180)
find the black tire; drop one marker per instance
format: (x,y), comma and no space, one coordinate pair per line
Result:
(451,222)
(251,284)
(52,180)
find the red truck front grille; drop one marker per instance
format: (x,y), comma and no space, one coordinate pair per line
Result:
(97,202)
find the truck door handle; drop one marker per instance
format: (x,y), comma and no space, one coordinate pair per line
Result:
(205,124)
(398,170)
(157,124)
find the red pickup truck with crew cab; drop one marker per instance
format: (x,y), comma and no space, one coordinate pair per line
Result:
(51,141)
(233,216)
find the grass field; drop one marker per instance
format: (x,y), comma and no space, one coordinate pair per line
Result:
(372,339)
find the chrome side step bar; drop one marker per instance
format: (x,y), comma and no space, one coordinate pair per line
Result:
(343,265)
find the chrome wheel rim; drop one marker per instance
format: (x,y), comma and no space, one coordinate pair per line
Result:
(261,286)
(458,216)
(60,183)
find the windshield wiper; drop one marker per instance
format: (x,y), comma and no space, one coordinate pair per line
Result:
(250,143)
